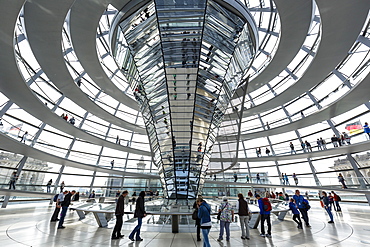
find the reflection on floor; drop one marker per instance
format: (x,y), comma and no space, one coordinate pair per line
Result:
(28,225)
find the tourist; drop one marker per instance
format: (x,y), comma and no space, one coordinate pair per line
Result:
(139,214)
(204,214)
(226,217)
(120,210)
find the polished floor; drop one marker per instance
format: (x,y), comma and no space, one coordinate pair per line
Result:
(28,225)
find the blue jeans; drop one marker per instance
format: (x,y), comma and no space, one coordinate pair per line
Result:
(136,230)
(226,225)
(205,233)
(328,210)
(62,215)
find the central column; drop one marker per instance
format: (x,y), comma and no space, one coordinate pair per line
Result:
(184,60)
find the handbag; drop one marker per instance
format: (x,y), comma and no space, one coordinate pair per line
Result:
(219,213)
(194,216)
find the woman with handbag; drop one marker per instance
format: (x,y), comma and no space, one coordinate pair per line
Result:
(226,216)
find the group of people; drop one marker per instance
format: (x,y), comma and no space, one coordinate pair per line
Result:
(259,151)
(72,120)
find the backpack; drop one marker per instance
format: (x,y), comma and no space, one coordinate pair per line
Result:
(306,205)
(55,198)
(339,199)
(266,204)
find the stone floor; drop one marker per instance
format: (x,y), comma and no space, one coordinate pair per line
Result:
(28,225)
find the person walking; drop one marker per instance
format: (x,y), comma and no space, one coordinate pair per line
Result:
(327,207)
(197,221)
(268,152)
(319,145)
(302,206)
(13,179)
(62,185)
(337,199)
(120,210)
(226,217)
(341,180)
(292,148)
(24,137)
(243,211)
(295,213)
(265,216)
(303,146)
(48,185)
(367,129)
(139,214)
(65,204)
(247,178)
(204,214)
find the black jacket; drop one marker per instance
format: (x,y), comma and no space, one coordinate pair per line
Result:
(140,209)
(243,207)
(120,207)
(67,200)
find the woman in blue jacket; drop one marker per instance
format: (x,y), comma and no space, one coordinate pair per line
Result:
(204,214)
(295,213)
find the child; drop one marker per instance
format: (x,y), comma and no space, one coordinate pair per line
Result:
(295,213)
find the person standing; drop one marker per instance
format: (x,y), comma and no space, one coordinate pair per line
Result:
(347,138)
(295,179)
(235,177)
(331,202)
(139,214)
(367,129)
(319,144)
(337,199)
(226,217)
(65,204)
(301,203)
(48,185)
(286,179)
(323,142)
(120,210)
(265,216)
(58,202)
(13,179)
(341,180)
(268,151)
(258,178)
(197,221)
(62,185)
(308,145)
(334,140)
(327,207)
(303,146)
(295,213)
(292,148)
(204,214)
(247,178)
(243,211)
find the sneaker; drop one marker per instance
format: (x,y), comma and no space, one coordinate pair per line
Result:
(331,221)
(247,238)
(61,227)
(114,237)
(268,235)
(308,225)
(242,237)
(219,240)
(140,239)
(199,239)
(121,236)
(131,239)
(262,235)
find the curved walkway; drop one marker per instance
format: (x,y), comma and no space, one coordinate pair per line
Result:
(353,148)
(295,20)
(11,145)
(358,95)
(342,19)
(83,35)
(44,21)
